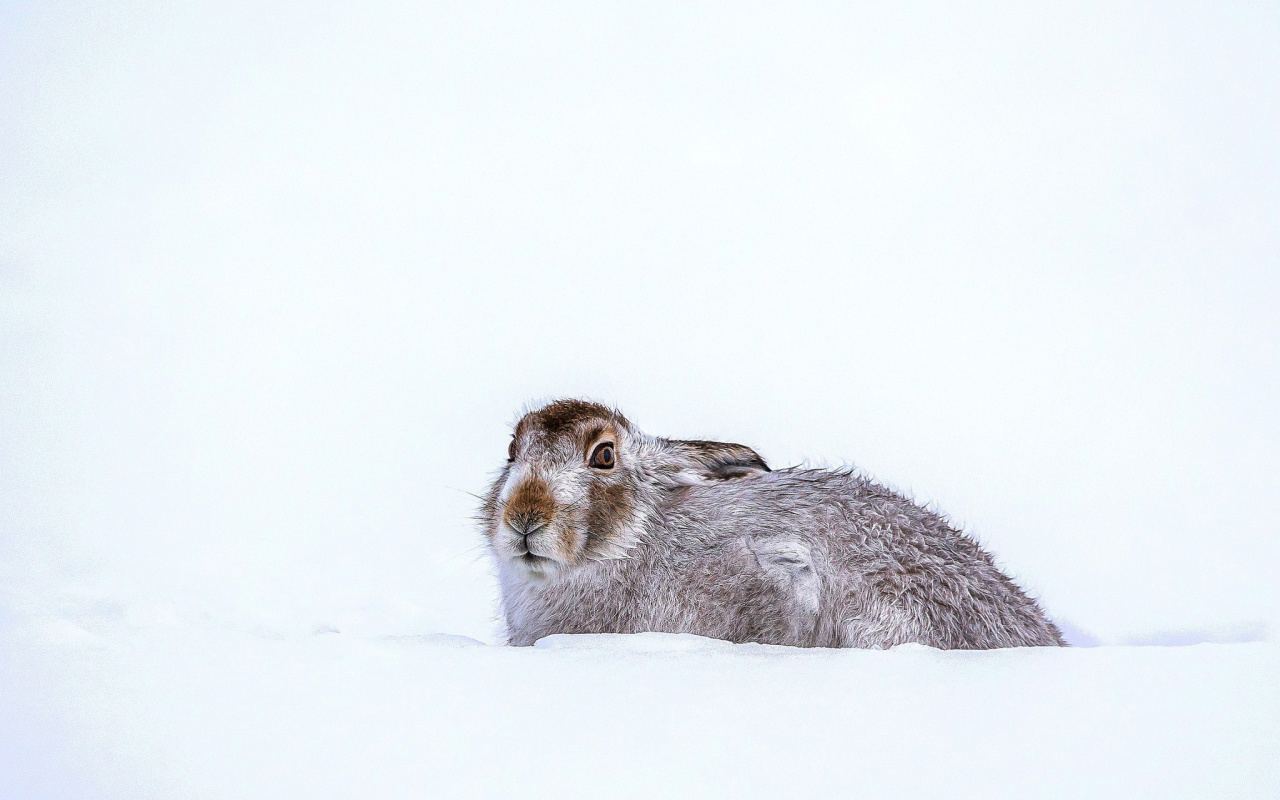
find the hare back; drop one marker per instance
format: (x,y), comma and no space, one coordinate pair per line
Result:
(889,570)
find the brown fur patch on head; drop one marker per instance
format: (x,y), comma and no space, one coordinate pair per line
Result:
(609,508)
(564,415)
(530,505)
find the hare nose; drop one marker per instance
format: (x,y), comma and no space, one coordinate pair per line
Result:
(526,525)
(531,506)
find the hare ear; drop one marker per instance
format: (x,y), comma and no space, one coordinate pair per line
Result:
(718,461)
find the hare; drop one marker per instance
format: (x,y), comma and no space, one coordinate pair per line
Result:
(597,527)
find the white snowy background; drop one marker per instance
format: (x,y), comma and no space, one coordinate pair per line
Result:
(276,278)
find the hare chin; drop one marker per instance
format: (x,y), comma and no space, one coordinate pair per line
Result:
(536,569)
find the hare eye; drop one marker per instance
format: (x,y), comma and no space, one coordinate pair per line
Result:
(602,457)
(511,451)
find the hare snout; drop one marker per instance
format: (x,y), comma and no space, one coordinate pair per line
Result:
(519,536)
(529,506)
(525,523)
(533,532)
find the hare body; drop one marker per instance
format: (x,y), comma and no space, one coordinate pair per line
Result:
(700,537)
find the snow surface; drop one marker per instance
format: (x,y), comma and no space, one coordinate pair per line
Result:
(215,713)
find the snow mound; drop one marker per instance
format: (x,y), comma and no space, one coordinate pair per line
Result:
(205,712)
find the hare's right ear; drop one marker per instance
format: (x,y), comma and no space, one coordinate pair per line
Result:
(700,462)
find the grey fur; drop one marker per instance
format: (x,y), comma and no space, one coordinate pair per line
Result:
(700,537)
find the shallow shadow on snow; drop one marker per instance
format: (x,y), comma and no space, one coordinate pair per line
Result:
(1227,634)
(1224,634)
(1077,637)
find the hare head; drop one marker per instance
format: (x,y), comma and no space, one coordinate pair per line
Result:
(580,481)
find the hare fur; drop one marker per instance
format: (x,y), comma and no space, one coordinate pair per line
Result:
(598,527)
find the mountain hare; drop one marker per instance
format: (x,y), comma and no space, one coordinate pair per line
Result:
(597,527)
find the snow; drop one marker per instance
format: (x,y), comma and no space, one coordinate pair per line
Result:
(275,277)
(205,713)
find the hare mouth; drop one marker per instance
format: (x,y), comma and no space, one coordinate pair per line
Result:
(537,568)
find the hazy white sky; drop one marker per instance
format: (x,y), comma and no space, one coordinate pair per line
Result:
(274,279)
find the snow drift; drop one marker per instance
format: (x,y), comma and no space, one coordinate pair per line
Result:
(189,712)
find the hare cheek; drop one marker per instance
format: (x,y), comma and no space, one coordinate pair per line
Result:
(572,543)
(508,542)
